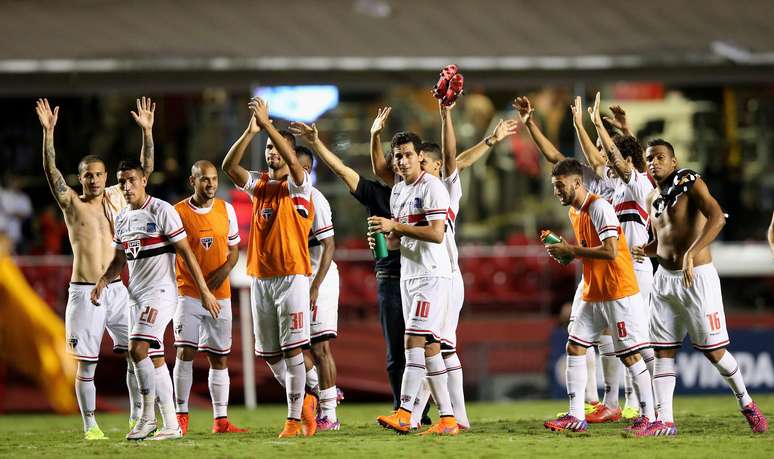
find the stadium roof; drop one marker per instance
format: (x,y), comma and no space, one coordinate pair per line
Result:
(279,39)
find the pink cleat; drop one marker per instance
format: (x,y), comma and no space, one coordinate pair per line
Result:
(326,424)
(658,429)
(756,419)
(566,422)
(640,423)
(339,395)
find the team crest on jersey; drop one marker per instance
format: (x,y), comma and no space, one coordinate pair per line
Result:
(267,213)
(417,203)
(206,242)
(134,247)
(150,227)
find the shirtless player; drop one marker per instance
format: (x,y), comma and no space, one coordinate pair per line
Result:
(89,219)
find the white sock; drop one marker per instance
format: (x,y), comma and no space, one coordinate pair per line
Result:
(412,377)
(146,379)
(135,398)
(643,388)
(664,379)
(280,371)
(295,380)
(165,397)
(456,389)
(218,382)
(649,357)
(328,403)
(576,382)
(312,381)
(86,393)
(439,384)
(611,369)
(420,401)
(731,372)
(182,376)
(591,394)
(629,392)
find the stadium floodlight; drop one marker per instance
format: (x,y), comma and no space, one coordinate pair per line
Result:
(299,103)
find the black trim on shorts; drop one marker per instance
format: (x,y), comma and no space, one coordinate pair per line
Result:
(580,344)
(430,338)
(321,338)
(90,283)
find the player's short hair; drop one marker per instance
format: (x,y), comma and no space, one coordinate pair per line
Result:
(663,143)
(568,166)
(630,148)
(131,165)
(433,150)
(88,159)
(304,151)
(404,137)
(288,136)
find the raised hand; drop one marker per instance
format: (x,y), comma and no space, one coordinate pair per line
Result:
(577,111)
(260,111)
(305,131)
(505,128)
(522,105)
(144,114)
(596,117)
(380,120)
(47,117)
(619,119)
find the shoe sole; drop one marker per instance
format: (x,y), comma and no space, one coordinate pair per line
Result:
(391,427)
(553,428)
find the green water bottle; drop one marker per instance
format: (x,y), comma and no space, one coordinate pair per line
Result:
(549,238)
(380,249)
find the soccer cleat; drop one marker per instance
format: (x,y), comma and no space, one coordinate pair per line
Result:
(309,415)
(630,413)
(639,424)
(94,433)
(167,433)
(132,423)
(326,424)
(182,420)
(222,425)
(756,419)
(603,413)
(566,422)
(588,408)
(658,429)
(447,425)
(142,429)
(463,428)
(339,395)
(399,421)
(292,429)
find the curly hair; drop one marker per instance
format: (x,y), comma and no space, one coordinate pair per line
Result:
(630,148)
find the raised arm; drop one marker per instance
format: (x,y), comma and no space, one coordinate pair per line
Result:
(48,118)
(378,164)
(710,208)
(618,120)
(615,159)
(448,140)
(261,113)
(334,163)
(596,160)
(144,118)
(238,174)
(505,128)
(545,146)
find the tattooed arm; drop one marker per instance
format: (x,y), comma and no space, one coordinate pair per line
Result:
(62,193)
(144,118)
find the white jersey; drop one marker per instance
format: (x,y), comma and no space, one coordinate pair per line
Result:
(600,186)
(453,186)
(629,202)
(147,236)
(322,228)
(418,204)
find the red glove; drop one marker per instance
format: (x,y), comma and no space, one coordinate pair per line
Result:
(449,86)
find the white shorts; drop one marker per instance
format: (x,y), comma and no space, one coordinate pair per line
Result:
(625,318)
(456,300)
(577,302)
(698,310)
(325,314)
(645,282)
(425,302)
(149,318)
(280,314)
(195,327)
(85,323)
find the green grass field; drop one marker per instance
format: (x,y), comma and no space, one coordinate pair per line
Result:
(708,427)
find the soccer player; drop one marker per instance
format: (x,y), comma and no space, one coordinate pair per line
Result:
(611,296)
(213,235)
(148,232)
(278,261)
(89,220)
(419,205)
(686,295)
(632,186)
(375,197)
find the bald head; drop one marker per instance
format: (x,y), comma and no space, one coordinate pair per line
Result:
(203,167)
(204,180)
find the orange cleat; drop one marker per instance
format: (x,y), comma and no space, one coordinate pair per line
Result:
(603,413)
(292,429)
(221,425)
(447,425)
(399,421)
(309,415)
(182,419)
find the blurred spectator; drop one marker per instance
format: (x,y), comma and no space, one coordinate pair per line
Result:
(15,207)
(52,230)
